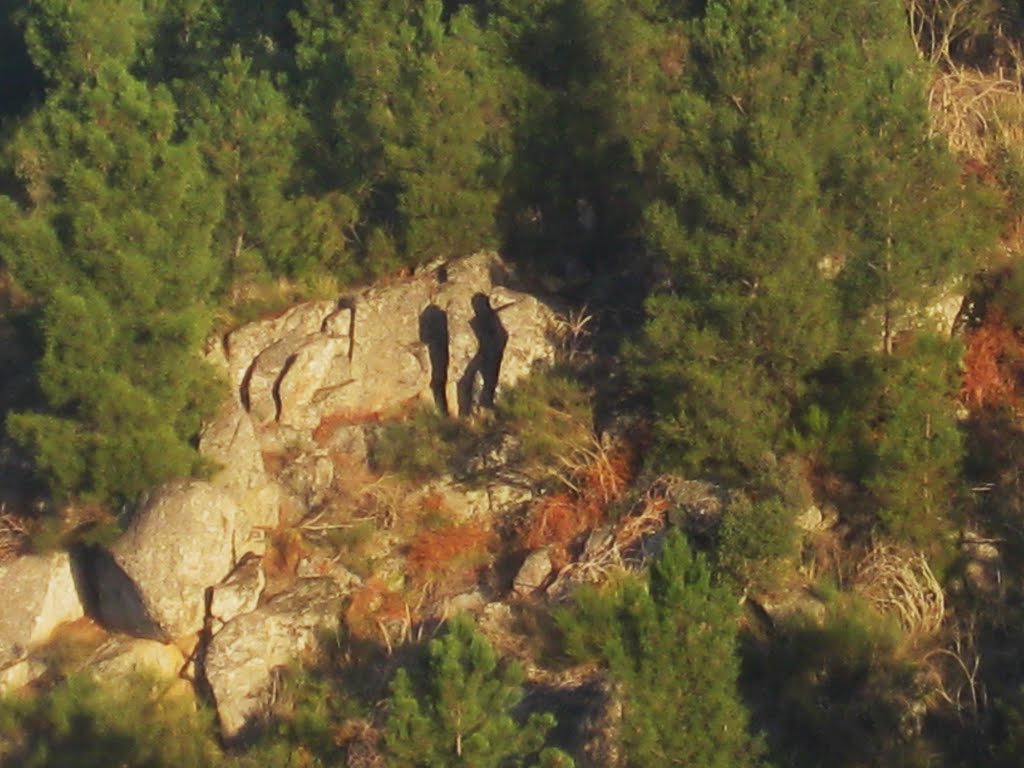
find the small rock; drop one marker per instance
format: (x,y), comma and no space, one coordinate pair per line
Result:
(123,656)
(534,572)
(20,675)
(40,594)
(471,602)
(319,565)
(242,659)
(240,592)
(810,519)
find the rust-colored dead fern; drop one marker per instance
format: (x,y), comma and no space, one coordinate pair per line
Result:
(993,365)
(448,550)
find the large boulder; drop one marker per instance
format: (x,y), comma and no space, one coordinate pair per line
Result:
(40,594)
(305,374)
(242,659)
(182,539)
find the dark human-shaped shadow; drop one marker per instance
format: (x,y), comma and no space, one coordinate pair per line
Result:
(491,339)
(434,334)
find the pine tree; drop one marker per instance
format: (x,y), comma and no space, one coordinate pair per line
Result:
(112,236)
(670,642)
(736,225)
(460,712)
(920,446)
(250,136)
(408,105)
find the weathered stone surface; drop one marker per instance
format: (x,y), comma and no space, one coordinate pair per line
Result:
(339,323)
(242,658)
(244,344)
(983,571)
(20,675)
(240,592)
(309,477)
(534,572)
(230,441)
(697,505)
(304,375)
(260,393)
(122,656)
(783,606)
(181,540)
(39,595)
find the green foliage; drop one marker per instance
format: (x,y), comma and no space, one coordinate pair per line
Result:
(425,445)
(920,448)
(84,725)
(459,712)
(114,241)
(249,134)
(757,540)
(840,688)
(549,413)
(670,642)
(418,96)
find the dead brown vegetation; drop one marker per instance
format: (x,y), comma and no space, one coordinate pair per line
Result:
(993,365)
(560,518)
(451,551)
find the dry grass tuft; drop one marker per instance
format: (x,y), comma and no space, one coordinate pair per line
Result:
(993,365)
(899,582)
(373,608)
(596,480)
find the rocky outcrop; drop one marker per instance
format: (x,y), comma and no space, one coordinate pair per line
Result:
(40,594)
(243,345)
(454,334)
(182,539)
(243,657)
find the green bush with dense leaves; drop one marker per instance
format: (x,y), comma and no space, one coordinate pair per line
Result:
(81,724)
(460,710)
(670,644)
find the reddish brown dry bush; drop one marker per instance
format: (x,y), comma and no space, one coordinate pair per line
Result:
(448,550)
(993,365)
(372,606)
(560,518)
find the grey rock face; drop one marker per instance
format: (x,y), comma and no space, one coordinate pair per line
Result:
(231,442)
(452,334)
(244,344)
(242,658)
(39,595)
(180,541)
